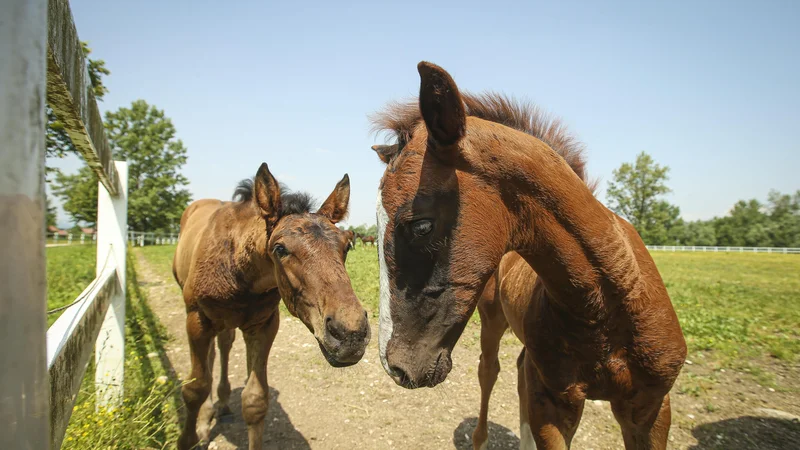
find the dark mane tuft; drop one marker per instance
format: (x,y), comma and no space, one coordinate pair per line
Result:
(295,202)
(244,191)
(401,118)
(291,202)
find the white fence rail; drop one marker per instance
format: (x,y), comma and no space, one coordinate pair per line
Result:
(699,248)
(41,372)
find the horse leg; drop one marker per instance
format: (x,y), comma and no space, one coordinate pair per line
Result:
(493,325)
(644,426)
(526,441)
(206,414)
(255,396)
(225,342)
(196,392)
(553,419)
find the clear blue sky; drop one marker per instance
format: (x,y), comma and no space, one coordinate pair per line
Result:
(708,88)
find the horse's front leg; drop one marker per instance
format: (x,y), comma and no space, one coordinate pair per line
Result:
(255,396)
(196,392)
(225,342)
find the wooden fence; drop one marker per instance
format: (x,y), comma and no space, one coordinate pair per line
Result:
(41,58)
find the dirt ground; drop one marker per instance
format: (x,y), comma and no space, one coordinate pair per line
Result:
(316,406)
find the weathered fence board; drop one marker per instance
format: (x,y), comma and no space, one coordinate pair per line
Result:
(69,94)
(70,341)
(23,369)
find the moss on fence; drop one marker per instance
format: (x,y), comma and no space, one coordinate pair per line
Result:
(148,416)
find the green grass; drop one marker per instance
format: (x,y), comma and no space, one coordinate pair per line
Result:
(738,306)
(69,271)
(362,266)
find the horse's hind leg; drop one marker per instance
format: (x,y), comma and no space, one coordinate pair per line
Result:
(645,426)
(225,342)
(493,325)
(255,396)
(196,392)
(525,436)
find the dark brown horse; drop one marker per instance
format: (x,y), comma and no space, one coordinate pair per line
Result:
(351,238)
(474,177)
(234,263)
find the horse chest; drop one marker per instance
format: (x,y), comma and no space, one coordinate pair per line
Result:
(580,364)
(241,311)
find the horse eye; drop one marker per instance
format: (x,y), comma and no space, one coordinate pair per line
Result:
(280,251)
(421,227)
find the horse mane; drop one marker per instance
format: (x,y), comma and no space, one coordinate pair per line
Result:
(291,202)
(401,118)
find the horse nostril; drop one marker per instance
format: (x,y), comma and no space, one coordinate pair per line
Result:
(399,375)
(335,329)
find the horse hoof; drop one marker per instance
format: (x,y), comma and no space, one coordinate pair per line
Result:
(225,415)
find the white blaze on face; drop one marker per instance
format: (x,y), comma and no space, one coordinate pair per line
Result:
(384,311)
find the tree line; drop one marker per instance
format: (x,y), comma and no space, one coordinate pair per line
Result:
(143,136)
(636,193)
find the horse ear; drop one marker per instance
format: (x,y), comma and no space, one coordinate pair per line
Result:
(442,109)
(267,195)
(335,206)
(386,152)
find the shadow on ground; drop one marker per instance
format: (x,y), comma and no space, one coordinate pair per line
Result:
(499,436)
(279,432)
(748,432)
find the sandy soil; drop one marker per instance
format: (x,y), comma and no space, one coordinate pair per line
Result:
(315,406)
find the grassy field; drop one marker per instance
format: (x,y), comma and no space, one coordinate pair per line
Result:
(69,270)
(148,416)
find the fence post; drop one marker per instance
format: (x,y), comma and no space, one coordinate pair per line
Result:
(112,223)
(24,389)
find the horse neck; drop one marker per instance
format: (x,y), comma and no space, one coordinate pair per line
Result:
(578,248)
(247,233)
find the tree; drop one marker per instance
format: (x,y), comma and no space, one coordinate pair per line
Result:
(746,225)
(784,217)
(50,214)
(698,233)
(58,143)
(635,195)
(145,137)
(79,194)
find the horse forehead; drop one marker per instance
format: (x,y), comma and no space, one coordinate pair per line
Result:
(399,186)
(310,228)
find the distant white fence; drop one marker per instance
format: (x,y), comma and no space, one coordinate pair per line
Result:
(140,238)
(56,239)
(135,239)
(41,58)
(699,248)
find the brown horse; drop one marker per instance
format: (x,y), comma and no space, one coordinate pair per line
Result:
(234,262)
(351,238)
(366,239)
(474,177)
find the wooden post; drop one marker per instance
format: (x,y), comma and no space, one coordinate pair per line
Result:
(24,389)
(112,224)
